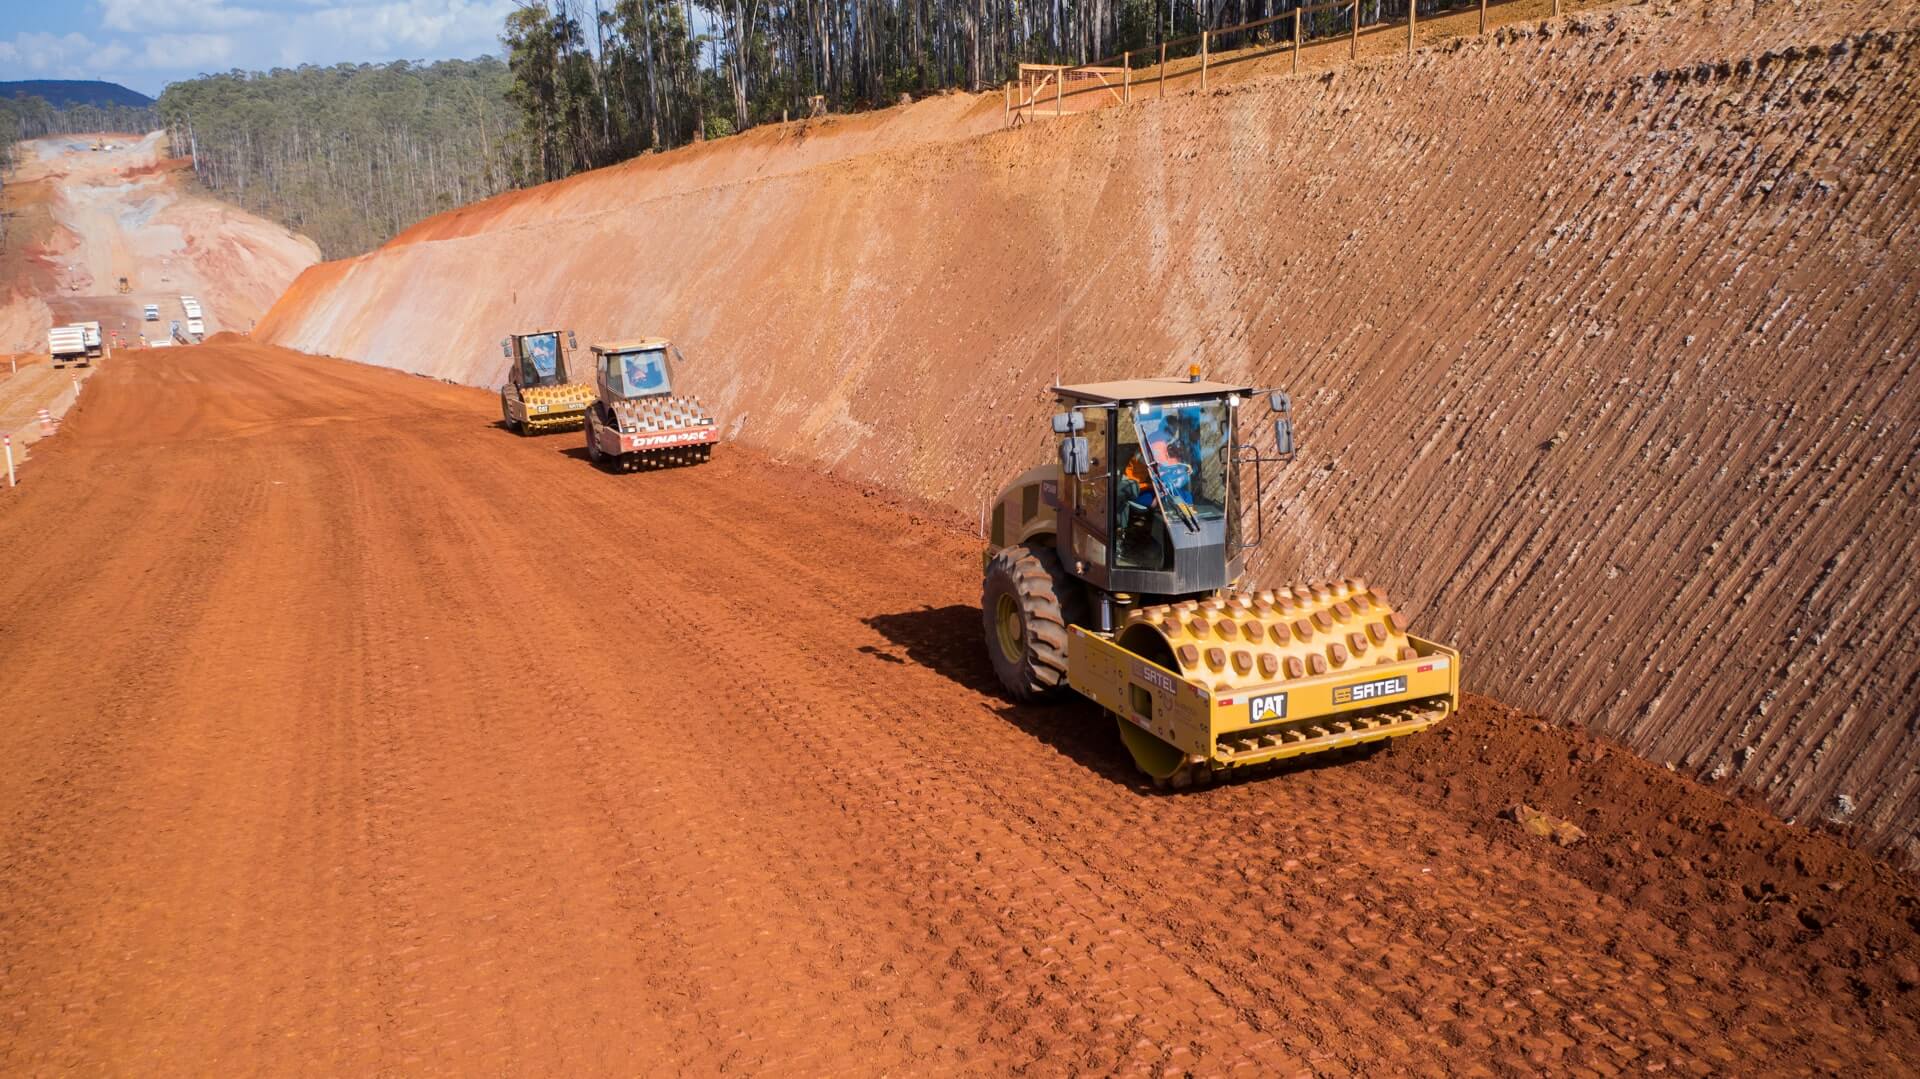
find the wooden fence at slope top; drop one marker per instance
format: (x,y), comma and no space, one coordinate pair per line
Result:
(1041,84)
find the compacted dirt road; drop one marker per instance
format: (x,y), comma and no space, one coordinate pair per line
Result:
(347,732)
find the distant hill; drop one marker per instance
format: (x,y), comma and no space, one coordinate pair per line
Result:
(65,93)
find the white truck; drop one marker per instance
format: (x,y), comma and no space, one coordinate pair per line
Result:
(191,306)
(67,344)
(196,328)
(153,312)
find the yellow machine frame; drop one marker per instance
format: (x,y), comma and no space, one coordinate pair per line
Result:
(1264,722)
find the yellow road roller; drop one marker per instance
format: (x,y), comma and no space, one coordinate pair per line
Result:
(538,395)
(1117,572)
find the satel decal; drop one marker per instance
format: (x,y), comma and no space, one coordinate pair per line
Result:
(1153,676)
(1271,706)
(1367,691)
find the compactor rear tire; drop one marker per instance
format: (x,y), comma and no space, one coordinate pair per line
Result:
(506,417)
(1027,601)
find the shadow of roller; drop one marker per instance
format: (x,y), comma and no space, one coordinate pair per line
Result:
(947,641)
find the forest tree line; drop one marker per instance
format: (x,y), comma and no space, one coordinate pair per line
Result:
(598,81)
(350,154)
(353,153)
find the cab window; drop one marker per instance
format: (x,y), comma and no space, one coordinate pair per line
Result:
(645,372)
(1139,541)
(540,359)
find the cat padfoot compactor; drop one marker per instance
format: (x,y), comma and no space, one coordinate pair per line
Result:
(538,395)
(1118,573)
(637,421)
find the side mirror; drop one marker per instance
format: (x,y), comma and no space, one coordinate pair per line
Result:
(571,343)
(1283,436)
(506,347)
(1068,422)
(1282,406)
(1073,456)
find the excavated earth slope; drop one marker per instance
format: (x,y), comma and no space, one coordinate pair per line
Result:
(1602,335)
(312,762)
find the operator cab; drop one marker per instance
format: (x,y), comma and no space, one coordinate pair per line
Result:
(537,359)
(628,370)
(1150,497)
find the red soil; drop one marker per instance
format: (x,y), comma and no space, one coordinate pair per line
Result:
(360,780)
(1601,334)
(155,168)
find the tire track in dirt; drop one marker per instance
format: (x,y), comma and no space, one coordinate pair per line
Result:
(472,757)
(770,556)
(1248,821)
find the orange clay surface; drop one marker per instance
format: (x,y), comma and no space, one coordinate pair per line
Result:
(348,733)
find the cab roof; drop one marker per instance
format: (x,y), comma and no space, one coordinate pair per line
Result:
(1149,389)
(538,333)
(637,344)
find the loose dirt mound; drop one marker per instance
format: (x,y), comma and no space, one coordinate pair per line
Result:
(1705,863)
(1601,334)
(363,774)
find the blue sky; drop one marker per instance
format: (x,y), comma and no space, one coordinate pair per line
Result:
(145,44)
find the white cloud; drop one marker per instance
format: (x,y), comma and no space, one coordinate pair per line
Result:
(110,56)
(178,16)
(174,51)
(147,43)
(402,26)
(65,56)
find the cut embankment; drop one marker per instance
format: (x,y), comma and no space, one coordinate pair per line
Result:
(1601,335)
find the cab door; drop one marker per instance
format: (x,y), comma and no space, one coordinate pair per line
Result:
(1091,499)
(510,393)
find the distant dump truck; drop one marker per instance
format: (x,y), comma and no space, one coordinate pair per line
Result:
(191,306)
(196,328)
(67,345)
